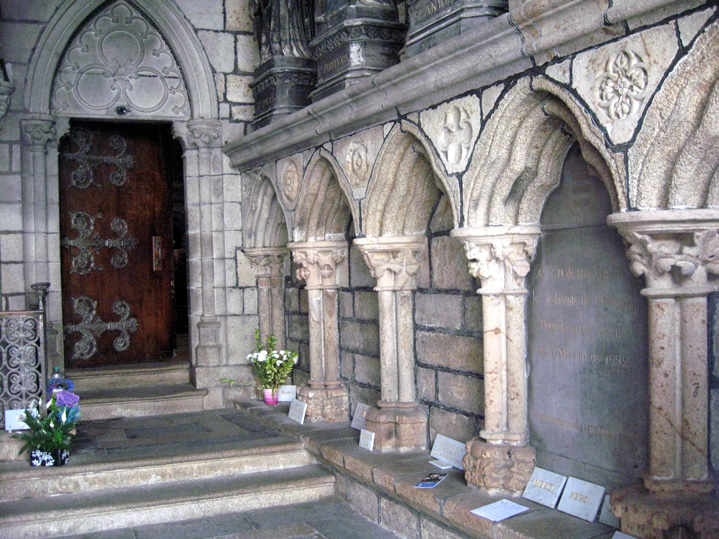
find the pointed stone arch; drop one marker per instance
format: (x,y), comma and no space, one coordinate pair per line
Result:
(404,187)
(674,163)
(325,206)
(164,16)
(521,152)
(264,225)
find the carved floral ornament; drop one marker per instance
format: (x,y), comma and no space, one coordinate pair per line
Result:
(319,266)
(394,268)
(357,163)
(39,132)
(203,136)
(506,260)
(455,137)
(291,181)
(675,258)
(267,262)
(622,84)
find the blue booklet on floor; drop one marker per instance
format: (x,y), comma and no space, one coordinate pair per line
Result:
(431,481)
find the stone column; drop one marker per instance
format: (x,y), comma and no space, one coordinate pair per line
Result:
(399,421)
(323,267)
(203,163)
(500,460)
(269,263)
(677,252)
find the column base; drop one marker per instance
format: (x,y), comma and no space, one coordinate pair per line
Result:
(398,429)
(498,469)
(329,404)
(652,516)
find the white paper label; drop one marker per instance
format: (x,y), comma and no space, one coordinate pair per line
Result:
(449,450)
(358,419)
(14,420)
(499,510)
(298,409)
(286,393)
(366,440)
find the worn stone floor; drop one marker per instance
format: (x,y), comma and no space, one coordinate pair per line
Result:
(330,520)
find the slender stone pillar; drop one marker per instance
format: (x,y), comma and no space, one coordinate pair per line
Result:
(323,267)
(269,263)
(399,421)
(202,157)
(676,251)
(500,460)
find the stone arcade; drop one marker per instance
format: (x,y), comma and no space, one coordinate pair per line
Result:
(492,220)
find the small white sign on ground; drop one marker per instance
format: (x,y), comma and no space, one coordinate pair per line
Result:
(13,420)
(286,393)
(358,419)
(366,440)
(449,451)
(581,499)
(605,514)
(544,487)
(499,510)
(620,535)
(298,409)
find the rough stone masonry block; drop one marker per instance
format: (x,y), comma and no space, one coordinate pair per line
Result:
(366,305)
(346,304)
(449,265)
(363,338)
(299,327)
(367,370)
(438,310)
(473,313)
(456,426)
(426,384)
(238,89)
(714,428)
(451,351)
(399,519)
(238,15)
(247,54)
(220,48)
(461,392)
(363,500)
(207,14)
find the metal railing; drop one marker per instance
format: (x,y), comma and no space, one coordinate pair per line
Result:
(23,365)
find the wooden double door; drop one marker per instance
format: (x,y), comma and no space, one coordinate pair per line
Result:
(116,237)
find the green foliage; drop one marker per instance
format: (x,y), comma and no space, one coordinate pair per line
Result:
(271,366)
(48,432)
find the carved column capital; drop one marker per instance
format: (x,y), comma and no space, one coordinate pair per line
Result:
(323,264)
(499,256)
(38,133)
(268,262)
(394,261)
(6,90)
(203,134)
(675,250)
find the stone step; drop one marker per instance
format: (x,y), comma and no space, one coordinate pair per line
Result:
(113,402)
(19,480)
(101,510)
(137,375)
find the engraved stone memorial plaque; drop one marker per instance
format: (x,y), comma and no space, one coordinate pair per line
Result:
(544,487)
(581,499)
(587,335)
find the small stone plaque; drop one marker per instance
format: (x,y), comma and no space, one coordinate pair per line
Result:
(286,393)
(448,450)
(581,499)
(605,514)
(366,440)
(544,487)
(298,409)
(358,419)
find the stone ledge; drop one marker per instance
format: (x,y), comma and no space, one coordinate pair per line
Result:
(392,476)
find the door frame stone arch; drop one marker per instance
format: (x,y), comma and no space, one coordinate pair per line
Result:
(200,137)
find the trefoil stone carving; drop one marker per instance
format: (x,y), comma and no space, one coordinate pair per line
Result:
(456,135)
(92,327)
(83,176)
(91,244)
(622,84)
